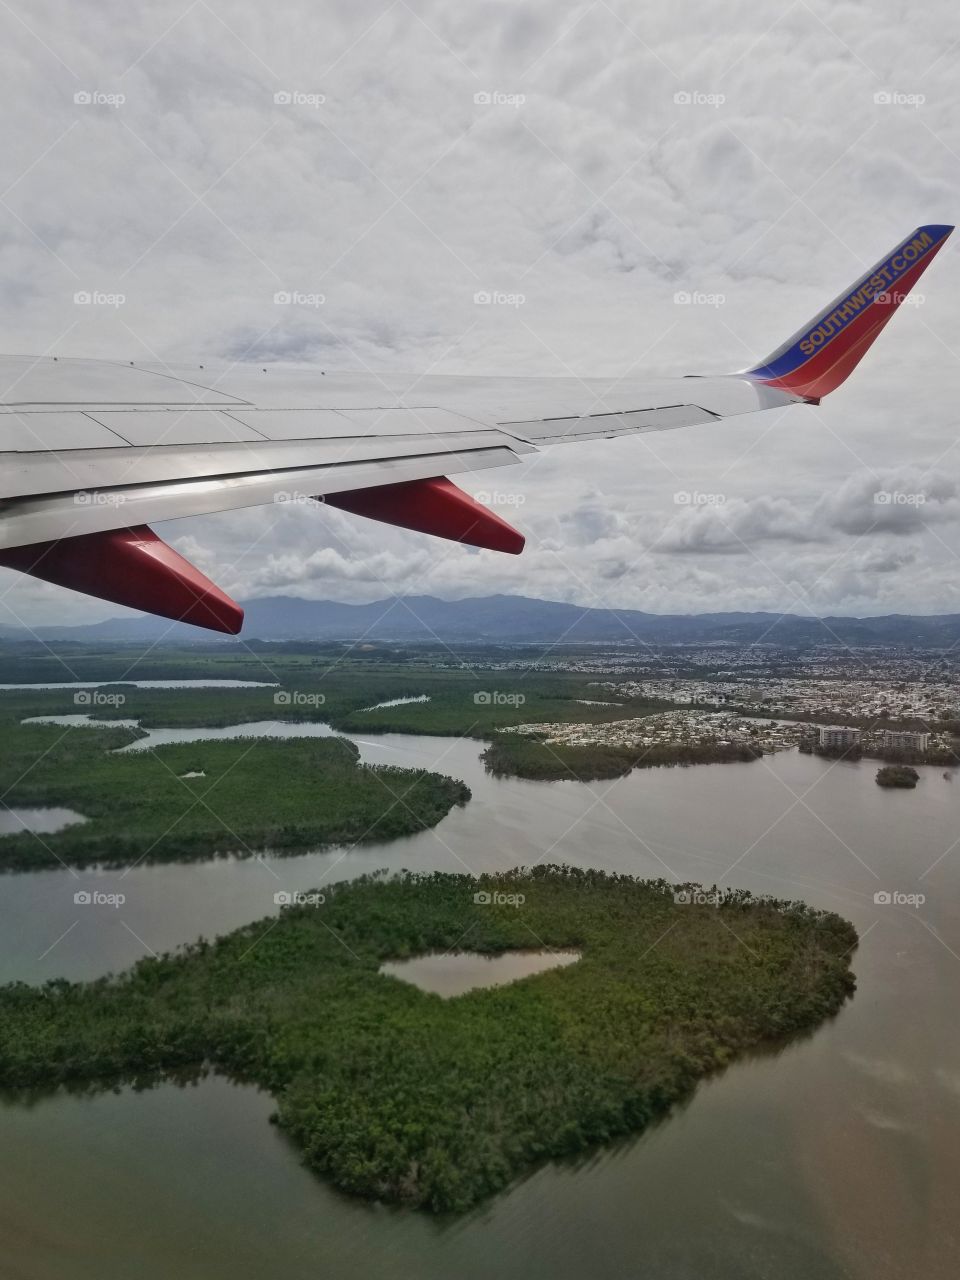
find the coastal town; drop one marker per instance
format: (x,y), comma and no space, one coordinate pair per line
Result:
(826,683)
(852,696)
(729,728)
(897,705)
(720,728)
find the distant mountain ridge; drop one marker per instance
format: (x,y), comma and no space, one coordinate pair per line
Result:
(515,619)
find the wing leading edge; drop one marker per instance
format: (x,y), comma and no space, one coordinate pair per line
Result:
(91,451)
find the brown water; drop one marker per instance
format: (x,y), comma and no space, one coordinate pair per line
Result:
(838,1156)
(454,973)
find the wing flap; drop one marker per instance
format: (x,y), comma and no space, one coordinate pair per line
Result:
(169,426)
(696,401)
(66,515)
(389,420)
(39,432)
(65,471)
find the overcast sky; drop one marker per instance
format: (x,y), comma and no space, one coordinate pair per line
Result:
(597,159)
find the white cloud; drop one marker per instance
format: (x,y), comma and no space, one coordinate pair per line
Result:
(716,525)
(899,502)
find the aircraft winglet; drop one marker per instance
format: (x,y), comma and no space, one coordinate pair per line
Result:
(823,354)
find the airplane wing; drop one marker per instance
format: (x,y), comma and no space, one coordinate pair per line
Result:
(92,451)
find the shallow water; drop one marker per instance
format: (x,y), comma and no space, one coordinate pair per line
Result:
(212,683)
(453,973)
(43,820)
(222,733)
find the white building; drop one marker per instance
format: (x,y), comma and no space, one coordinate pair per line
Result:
(905,740)
(832,735)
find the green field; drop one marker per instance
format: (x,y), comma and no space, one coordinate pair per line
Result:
(399,1095)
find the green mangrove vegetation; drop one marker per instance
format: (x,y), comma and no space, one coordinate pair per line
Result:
(530,757)
(897,775)
(463,703)
(279,794)
(399,1095)
(285,795)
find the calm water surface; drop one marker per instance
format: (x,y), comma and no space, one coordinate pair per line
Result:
(838,1156)
(43,820)
(454,973)
(222,733)
(214,682)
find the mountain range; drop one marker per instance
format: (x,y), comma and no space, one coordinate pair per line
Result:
(514,619)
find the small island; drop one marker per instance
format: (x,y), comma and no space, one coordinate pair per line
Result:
(897,775)
(530,757)
(399,1095)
